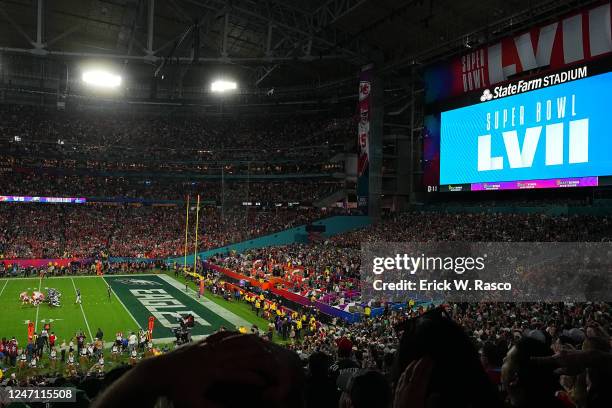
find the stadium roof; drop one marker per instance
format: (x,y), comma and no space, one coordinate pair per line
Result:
(264,42)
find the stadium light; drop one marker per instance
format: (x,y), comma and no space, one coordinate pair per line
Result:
(101,79)
(221,86)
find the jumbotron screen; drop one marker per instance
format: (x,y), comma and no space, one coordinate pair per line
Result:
(530,134)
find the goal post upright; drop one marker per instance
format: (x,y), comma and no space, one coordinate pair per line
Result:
(195,248)
(186,236)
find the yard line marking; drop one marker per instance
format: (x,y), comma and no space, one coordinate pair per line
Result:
(37,307)
(122,304)
(2,291)
(164,340)
(82,311)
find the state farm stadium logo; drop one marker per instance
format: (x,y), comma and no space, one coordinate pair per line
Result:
(486,96)
(138,282)
(526,85)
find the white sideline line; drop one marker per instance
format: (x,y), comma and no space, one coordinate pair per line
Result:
(209,304)
(163,340)
(82,311)
(2,291)
(120,301)
(37,307)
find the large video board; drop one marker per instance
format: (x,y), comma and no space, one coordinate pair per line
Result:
(552,131)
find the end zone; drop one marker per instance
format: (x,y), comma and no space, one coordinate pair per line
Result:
(165,299)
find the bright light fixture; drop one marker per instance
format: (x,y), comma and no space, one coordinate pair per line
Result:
(101,79)
(223,86)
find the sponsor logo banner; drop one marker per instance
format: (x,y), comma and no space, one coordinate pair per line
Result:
(534,184)
(533,84)
(50,200)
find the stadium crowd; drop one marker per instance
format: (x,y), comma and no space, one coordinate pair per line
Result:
(317,164)
(456,355)
(481,227)
(329,271)
(416,355)
(121,138)
(83,231)
(272,191)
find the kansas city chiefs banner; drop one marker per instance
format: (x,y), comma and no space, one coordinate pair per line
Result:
(577,38)
(363,134)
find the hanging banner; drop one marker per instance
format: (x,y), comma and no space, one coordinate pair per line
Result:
(574,39)
(363,132)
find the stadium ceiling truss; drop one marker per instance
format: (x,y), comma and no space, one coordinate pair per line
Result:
(264,35)
(518,21)
(285,32)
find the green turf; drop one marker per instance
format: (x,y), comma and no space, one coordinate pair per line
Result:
(69,318)
(103,312)
(98,311)
(14,316)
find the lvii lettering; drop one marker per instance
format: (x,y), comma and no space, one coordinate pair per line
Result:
(523,156)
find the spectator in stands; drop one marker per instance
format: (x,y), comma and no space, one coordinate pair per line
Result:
(209,372)
(320,388)
(456,377)
(73,231)
(365,389)
(528,384)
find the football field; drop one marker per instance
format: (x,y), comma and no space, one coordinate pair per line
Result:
(133,299)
